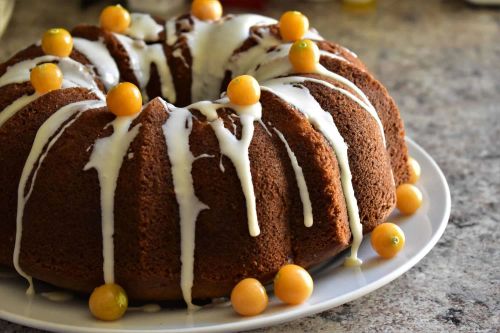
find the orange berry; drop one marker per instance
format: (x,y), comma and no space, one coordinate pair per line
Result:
(46,77)
(206,10)
(57,42)
(415,170)
(408,198)
(249,298)
(304,56)
(115,19)
(108,302)
(293,26)
(124,99)
(243,90)
(293,284)
(387,240)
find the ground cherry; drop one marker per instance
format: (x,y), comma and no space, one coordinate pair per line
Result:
(387,240)
(293,26)
(57,42)
(415,170)
(207,10)
(249,298)
(115,19)
(304,56)
(46,77)
(408,198)
(243,90)
(293,284)
(124,99)
(108,302)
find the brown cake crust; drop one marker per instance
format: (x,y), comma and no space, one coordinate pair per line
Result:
(67,259)
(180,66)
(387,111)
(330,232)
(16,139)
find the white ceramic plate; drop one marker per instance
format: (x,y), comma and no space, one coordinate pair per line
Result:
(334,283)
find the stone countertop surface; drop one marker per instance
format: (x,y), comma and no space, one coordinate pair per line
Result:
(440,60)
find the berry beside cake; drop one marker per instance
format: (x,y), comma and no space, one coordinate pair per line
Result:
(174,159)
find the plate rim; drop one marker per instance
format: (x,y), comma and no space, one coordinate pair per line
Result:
(280,317)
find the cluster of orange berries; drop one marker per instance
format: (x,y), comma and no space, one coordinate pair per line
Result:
(388,239)
(292,285)
(59,42)
(47,77)
(123,100)
(304,54)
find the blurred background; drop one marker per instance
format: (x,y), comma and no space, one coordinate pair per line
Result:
(440,60)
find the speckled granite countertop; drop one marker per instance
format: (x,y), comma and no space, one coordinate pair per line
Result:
(441,62)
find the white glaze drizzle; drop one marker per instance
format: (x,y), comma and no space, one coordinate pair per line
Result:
(98,54)
(46,137)
(74,73)
(236,150)
(277,64)
(177,130)
(267,48)
(177,53)
(301,182)
(300,97)
(332,55)
(210,52)
(143,26)
(107,158)
(141,57)
(16,106)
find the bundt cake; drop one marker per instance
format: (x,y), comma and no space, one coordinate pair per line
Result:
(182,202)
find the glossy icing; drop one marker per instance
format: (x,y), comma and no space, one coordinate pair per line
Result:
(144,27)
(289,89)
(107,158)
(176,131)
(97,53)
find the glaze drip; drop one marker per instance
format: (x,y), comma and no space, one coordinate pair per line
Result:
(16,106)
(97,53)
(277,64)
(208,68)
(141,57)
(107,158)
(237,150)
(290,90)
(46,137)
(144,26)
(74,73)
(301,182)
(177,130)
